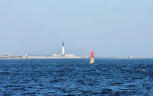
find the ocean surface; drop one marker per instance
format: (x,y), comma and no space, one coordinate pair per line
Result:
(76,77)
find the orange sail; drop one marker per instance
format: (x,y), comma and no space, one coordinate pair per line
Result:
(92,60)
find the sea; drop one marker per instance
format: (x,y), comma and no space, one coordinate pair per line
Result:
(76,77)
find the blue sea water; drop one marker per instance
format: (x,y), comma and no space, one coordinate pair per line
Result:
(76,77)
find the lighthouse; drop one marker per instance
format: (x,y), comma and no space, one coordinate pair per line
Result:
(63,49)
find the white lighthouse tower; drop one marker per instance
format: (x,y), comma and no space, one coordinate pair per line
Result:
(63,50)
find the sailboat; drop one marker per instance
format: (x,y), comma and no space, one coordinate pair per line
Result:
(92,60)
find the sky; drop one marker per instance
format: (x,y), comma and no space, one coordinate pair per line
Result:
(109,27)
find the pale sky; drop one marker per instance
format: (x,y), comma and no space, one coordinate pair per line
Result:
(109,27)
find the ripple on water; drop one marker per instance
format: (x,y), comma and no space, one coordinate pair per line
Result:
(76,78)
